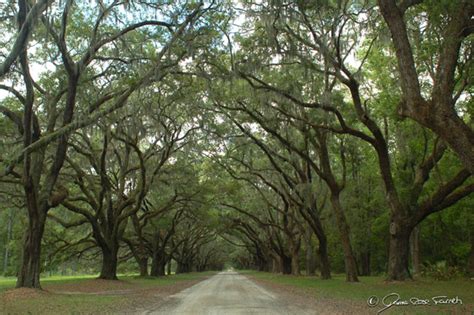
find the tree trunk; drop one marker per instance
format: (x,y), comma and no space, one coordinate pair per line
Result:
(470,267)
(398,252)
(158,264)
(343,227)
(365,263)
(310,263)
(264,266)
(437,114)
(310,259)
(109,264)
(322,250)
(285,264)
(143,265)
(168,267)
(295,263)
(29,275)
(179,268)
(183,267)
(294,248)
(415,250)
(276,265)
(6,256)
(457,134)
(260,260)
(324,259)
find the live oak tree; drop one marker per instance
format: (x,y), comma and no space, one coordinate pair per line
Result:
(39,173)
(151,233)
(27,18)
(295,43)
(449,25)
(291,181)
(281,218)
(188,241)
(174,197)
(117,166)
(137,134)
(322,169)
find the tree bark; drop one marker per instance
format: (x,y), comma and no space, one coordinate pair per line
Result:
(168,267)
(276,265)
(285,264)
(142,261)
(457,134)
(415,250)
(470,267)
(349,259)
(263,265)
(310,259)
(323,246)
(437,114)
(261,261)
(310,263)
(139,253)
(399,251)
(29,275)
(183,267)
(25,29)
(341,221)
(143,266)
(6,256)
(158,265)
(109,264)
(294,246)
(324,259)
(295,263)
(365,263)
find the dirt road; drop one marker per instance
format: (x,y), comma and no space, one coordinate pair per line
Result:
(227,293)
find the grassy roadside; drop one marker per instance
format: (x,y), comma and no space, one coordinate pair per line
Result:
(10,282)
(87,295)
(338,289)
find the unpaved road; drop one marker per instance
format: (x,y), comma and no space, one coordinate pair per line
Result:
(227,293)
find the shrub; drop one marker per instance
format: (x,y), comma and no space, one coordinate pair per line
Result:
(440,271)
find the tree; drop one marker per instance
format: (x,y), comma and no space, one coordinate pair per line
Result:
(405,213)
(450,71)
(39,178)
(113,187)
(27,18)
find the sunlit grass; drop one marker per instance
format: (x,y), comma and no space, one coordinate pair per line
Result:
(10,282)
(7,282)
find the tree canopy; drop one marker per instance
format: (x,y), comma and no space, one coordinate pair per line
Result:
(331,135)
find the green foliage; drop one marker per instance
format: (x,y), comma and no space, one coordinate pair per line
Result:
(441,271)
(237,118)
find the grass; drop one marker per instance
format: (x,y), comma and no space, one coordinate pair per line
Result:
(10,282)
(7,282)
(138,291)
(63,304)
(85,295)
(338,288)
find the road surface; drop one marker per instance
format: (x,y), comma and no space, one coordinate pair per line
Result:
(227,293)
